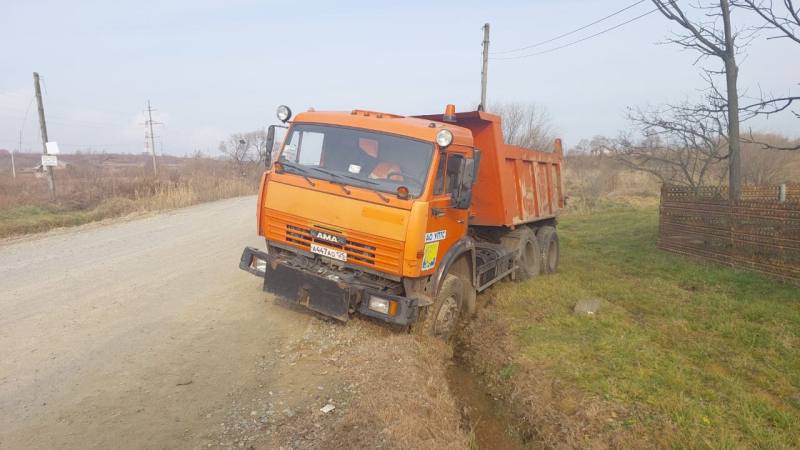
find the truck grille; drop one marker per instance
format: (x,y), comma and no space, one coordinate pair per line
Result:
(362,249)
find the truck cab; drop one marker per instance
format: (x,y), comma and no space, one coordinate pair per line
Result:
(394,217)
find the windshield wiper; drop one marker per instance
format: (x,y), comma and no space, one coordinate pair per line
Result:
(344,186)
(300,171)
(362,180)
(335,175)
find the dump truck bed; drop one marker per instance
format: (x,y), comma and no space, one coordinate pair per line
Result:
(515,185)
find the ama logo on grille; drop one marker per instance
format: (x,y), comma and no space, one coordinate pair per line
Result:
(328,237)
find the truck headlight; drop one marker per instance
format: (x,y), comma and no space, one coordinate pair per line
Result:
(382,305)
(284,113)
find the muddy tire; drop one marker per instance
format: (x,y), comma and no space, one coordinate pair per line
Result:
(529,256)
(548,243)
(441,319)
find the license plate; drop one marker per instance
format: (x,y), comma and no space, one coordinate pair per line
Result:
(329,252)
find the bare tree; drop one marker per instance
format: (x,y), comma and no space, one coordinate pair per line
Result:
(526,125)
(709,39)
(782,19)
(245,150)
(677,145)
(596,146)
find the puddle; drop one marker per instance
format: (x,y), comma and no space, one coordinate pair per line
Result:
(489,419)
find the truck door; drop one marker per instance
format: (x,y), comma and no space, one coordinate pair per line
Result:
(446,224)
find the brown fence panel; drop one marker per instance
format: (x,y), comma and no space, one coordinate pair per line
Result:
(758,232)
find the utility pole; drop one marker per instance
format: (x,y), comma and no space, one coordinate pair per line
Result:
(13,166)
(152,138)
(43,127)
(485,68)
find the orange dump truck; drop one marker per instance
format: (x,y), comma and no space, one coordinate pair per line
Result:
(404,219)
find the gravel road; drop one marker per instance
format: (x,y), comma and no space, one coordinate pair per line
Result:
(141,333)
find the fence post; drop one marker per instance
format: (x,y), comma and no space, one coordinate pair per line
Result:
(782,193)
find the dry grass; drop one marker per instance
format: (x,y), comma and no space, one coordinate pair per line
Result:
(595,182)
(91,189)
(399,396)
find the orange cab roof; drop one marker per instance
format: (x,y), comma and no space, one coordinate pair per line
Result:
(412,127)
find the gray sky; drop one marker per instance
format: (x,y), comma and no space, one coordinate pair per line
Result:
(213,68)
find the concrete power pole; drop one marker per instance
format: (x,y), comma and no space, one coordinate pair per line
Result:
(485,67)
(13,166)
(43,127)
(152,138)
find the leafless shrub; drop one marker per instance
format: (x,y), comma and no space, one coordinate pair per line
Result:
(767,166)
(593,179)
(526,125)
(247,151)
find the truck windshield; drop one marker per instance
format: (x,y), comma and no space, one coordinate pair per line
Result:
(359,158)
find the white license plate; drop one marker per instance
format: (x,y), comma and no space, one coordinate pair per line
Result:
(329,252)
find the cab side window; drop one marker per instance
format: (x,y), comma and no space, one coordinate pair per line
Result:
(455,165)
(438,184)
(448,174)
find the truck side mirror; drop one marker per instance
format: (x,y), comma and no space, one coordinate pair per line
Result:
(269,146)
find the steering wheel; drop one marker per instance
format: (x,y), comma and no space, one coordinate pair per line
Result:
(405,176)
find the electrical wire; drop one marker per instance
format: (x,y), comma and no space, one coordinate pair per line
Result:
(569,44)
(569,33)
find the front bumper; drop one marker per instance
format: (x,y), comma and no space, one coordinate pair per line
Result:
(327,295)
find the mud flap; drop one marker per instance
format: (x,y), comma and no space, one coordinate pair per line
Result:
(320,294)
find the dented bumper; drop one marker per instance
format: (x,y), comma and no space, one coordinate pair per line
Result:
(328,296)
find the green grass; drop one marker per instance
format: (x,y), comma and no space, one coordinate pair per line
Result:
(30,219)
(712,351)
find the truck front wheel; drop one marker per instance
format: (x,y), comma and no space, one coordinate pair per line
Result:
(441,319)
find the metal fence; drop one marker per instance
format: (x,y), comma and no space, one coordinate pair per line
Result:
(760,232)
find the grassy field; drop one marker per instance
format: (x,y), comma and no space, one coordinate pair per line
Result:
(682,353)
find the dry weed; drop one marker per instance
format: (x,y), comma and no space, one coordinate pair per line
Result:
(400,396)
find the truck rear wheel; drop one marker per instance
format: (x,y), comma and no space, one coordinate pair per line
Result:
(529,256)
(548,242)
(441,319)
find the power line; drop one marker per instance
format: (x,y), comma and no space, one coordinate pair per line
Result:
(569,44)
(67,121)
(569,33)
(68,105)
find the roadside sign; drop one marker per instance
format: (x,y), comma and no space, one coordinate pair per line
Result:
(52,148)
(49,160)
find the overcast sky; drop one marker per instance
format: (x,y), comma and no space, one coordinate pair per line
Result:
(212,68)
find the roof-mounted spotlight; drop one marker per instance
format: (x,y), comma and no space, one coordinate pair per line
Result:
(284,113)
(444,138)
